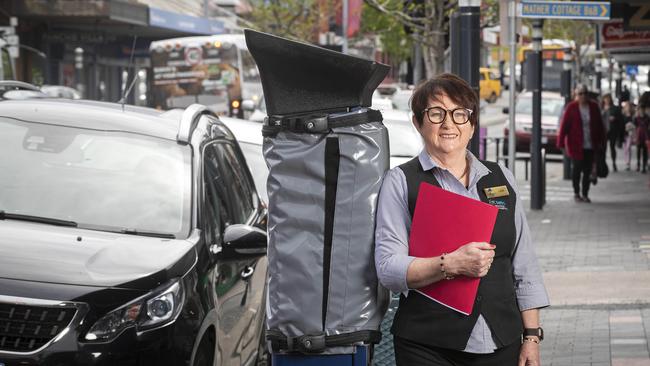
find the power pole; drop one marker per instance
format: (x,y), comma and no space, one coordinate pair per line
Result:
(345,26)
(513,86)
(469,55)
(537,184)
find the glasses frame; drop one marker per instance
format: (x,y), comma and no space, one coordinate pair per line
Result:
(425,112)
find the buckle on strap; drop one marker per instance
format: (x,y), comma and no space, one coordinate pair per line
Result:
(311,343)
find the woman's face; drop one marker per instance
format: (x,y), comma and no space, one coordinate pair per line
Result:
(446,137)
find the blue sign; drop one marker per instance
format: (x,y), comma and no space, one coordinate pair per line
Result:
(632,70)
(184,23)
(596,10)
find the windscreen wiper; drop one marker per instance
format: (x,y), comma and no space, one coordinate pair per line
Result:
(148,233)
(39,219)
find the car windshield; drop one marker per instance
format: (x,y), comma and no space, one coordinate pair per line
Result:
(101,180)
(404,139)
(550,107)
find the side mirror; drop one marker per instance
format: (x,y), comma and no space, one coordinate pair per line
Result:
(248,105)
(505,110)
(245,239)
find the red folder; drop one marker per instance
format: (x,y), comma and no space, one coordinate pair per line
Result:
(444,221)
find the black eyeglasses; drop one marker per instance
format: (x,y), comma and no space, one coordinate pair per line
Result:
(437,115)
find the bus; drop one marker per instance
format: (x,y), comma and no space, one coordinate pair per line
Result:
(553,60)
(217,71)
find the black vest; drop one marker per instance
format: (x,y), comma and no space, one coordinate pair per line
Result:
(422,320)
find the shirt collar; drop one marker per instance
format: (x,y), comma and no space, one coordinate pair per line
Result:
(477,169)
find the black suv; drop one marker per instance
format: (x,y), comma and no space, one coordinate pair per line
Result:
(128,236)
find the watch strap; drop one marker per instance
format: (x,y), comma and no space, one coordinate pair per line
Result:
(534,332)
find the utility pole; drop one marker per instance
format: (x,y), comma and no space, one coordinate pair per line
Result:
(470,51)
(513,85)
(537,184)
(567,88)
(345,26)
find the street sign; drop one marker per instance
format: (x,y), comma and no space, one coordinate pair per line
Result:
(614,36)
(580,10)
(632,70)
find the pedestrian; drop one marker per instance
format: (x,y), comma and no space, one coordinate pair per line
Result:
(630,131)
(641,124)
(503,328)
(613,124)
(581,134)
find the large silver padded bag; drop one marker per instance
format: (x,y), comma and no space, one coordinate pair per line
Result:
(326,153)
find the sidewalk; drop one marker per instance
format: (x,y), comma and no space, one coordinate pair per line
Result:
(596,263)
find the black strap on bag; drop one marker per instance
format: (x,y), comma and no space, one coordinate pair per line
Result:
(317,343)
(317,122)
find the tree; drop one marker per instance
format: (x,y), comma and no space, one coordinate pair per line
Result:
(295,19)
(428,23)
(396,43)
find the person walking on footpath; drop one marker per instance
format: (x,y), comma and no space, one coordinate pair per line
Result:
(503,328)
(581,134)
(641,124)
(630,131)
(613,123)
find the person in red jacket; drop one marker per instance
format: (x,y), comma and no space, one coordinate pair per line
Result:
(581,133)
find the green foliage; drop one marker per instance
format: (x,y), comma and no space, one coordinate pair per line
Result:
(580,32)
(394,39)
(297,19)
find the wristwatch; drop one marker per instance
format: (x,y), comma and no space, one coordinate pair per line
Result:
(534,332)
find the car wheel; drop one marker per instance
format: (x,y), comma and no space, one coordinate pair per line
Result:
(263,354)
(492,98)
(205,353)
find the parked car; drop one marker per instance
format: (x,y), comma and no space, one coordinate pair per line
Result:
(489,85)
(552,107)
(401,99)
(404,143)
(18,90)
(127,237)
(61,91)
(254,110)
(249,136)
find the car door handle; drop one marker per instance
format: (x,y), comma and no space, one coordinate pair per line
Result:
(247,272)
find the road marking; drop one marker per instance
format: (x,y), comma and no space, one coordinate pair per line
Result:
(546,221)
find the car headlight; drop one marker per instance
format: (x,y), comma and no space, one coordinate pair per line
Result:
(150,311)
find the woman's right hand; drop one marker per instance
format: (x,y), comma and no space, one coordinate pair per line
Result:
(471,260)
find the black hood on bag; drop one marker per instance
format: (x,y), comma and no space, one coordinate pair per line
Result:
(299,78)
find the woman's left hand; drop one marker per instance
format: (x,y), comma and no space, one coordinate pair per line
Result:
(529,354)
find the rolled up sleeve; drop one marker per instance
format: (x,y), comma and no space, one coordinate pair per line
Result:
(529,284)
(392,231)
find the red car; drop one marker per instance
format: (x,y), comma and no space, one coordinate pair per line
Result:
(552,108)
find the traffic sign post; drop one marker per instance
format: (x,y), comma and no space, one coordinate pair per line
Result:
(585,10)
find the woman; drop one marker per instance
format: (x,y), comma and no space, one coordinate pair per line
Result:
(511,290)
(582,134)
(628,120)
(642,123)
(613,123)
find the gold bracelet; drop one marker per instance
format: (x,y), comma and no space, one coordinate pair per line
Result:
(442,268)
(530,339)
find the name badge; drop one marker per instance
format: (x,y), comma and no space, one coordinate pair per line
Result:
(494,192)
